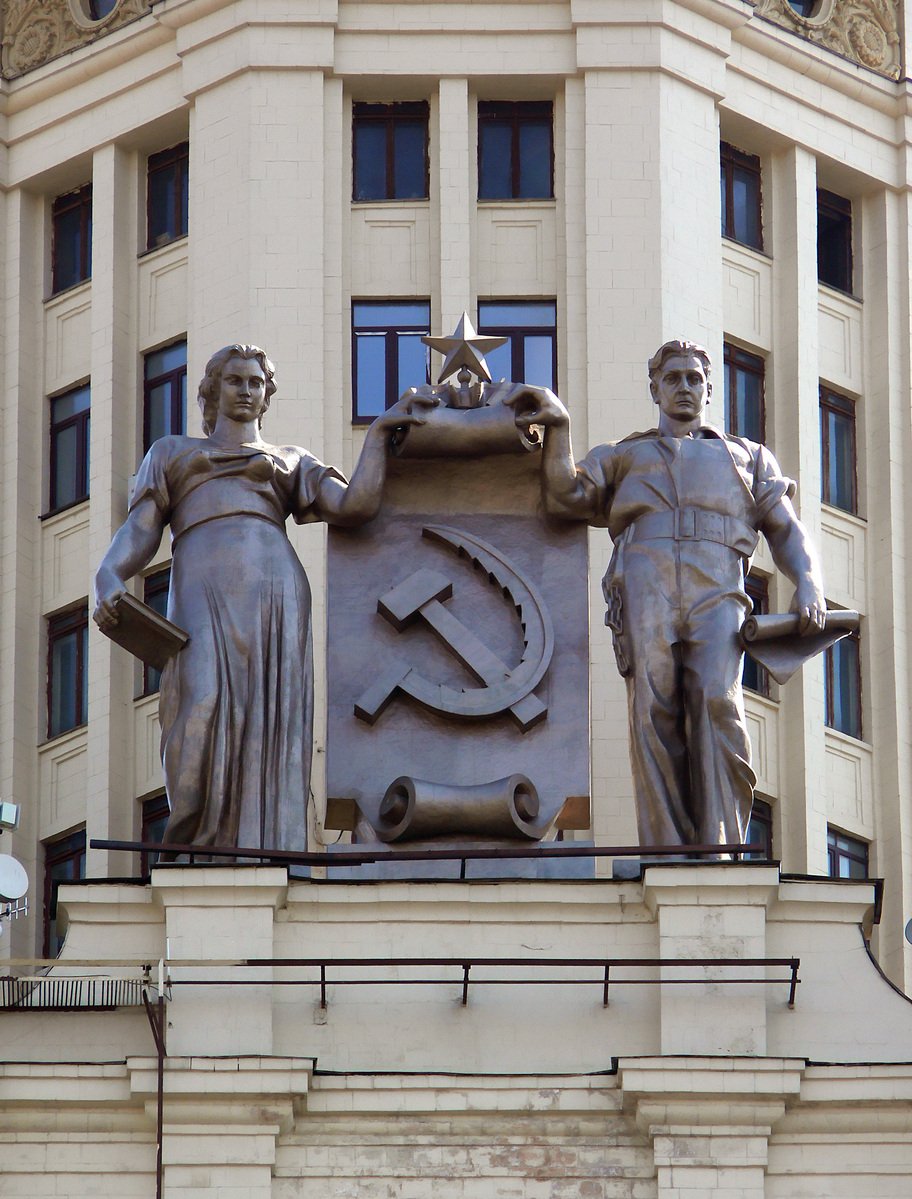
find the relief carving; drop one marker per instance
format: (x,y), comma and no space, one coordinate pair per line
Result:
(36,31)
(864,31)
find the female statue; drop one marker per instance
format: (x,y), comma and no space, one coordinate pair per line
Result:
(236,705)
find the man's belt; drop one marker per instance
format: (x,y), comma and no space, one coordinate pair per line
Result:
(695,524)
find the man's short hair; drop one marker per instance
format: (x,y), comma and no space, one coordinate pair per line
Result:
(678,348)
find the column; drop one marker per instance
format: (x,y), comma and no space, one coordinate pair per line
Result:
(110,808)
(456,204)
(23,457)
(885,444)
(710,1120)
(796,424)
(220,914)
(222,1117)
(720,912)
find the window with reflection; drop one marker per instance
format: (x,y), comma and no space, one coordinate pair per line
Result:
(71,238)
(167,202)
(740,182)
(155,813)
(515,150)
(760,832)
(155,594)
(388,354)
(837,451)
(64,862)
(69,458)
(164,393)
(842,686)
(754,676)
(67,670)
(745,410)
(847,857)
(390,151)
(834,240)
(530,326)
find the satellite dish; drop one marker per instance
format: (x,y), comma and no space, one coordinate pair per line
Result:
(13,879)
(909,931)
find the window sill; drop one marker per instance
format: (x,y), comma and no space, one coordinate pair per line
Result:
(67,508)
(168,245)
(744,248)
(838,515)
(513,202)
(838,294)
(60,740)
(423,201)
(67,293)
(854,743)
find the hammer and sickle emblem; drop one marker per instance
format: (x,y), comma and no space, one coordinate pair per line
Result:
(506,689)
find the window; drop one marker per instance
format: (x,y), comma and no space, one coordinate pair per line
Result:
(71,252)
(837,451)
(530,355)
(155,594)
(67,674)
(842,685)
(155,813)
(753,675)
(69,482)
(387,352)
(741,196)
(390,151)
(760,832)
(166,195)
(515,150)
(164,393)
(64,862)
(834,240)
(846,857)
(745,414)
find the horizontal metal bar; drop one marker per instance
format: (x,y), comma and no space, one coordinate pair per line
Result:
(361,857)
(476,982)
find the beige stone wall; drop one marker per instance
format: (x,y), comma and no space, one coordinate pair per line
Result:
(398,1089)
(629,247)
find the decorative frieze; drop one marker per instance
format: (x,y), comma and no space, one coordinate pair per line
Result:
(35,31)
(864,31)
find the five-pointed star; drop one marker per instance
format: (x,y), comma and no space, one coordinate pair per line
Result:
(464,349)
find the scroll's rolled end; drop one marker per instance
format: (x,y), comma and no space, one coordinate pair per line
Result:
(774,641)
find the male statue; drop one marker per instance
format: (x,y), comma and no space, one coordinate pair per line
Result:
(684,505)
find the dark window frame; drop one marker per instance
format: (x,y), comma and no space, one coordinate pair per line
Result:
(176,377)
(80,199)
(757,588)
(391,349)
(843,848)
(831,716)
(388,115)
(59,626)
(518,334)
(175,157)
(81,422)
(515,114)
(59,852)
(835,234)
(737,359)
(760,831)
(841,405)
(153,811)
(155,585)
(730,160)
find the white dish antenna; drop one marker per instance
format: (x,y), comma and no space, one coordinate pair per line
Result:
(13,878)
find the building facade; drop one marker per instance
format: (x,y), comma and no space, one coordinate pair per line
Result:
(333,180)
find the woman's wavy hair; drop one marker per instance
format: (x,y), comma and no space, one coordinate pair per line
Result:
(211,383)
